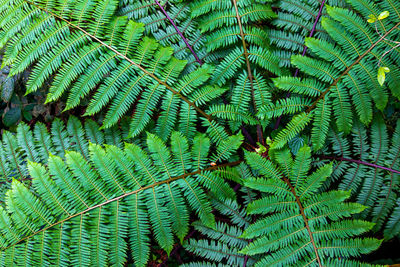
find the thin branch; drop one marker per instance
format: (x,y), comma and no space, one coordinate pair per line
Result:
(335,82)
(246,258)
(303,54)
(380,35)
(200,111)
(359,162)
(172,179)
(179,32)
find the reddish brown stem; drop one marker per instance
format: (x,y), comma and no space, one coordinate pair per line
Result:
(305,219)
(303,54)
(179,33)
(359,162)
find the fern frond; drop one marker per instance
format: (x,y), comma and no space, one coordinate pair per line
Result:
(96,202)
(296,125)
(240,49)
(291,105)
(296,20)
(300,224)
(346,76)
(171,24)
(39,143)
(223,242)
(111,50)
(369,170)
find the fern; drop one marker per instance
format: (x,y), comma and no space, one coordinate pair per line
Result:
(38,144)
(296,20)
(184,155)
(369,170)
(230,35)
(223,242)
(344,71)
(301,225)
(170,23)
(104,198)
(138,69)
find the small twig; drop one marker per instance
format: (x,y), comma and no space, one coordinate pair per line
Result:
(180,33)
(386,39)
(303,54)
(387,52)
(380,35)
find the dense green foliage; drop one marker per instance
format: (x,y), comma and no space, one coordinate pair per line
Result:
(199,133)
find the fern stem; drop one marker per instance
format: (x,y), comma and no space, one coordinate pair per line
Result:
(359,162)
(151,186)
(303,54)
(199,110)
(245,52)
(246,258)
(247,135)
(301,208)
(180,33)
(260,136)
(335,82)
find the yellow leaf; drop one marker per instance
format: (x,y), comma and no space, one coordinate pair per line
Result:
(383,15)
(381,74)
(371,19)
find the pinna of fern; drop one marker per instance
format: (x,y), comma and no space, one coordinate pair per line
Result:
(222,243)
(84,211)
(171,24)
(301,225)
(370,171)
(297,19)
(343,75)
(231,29)
(108,57)
(39,143)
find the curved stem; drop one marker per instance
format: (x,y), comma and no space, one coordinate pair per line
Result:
(179,33)
(387,52)
(303,54)
(380,35)
(360,162)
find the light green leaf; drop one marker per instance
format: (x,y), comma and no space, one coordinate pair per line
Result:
(381,74)
(383,15)
(371,19)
